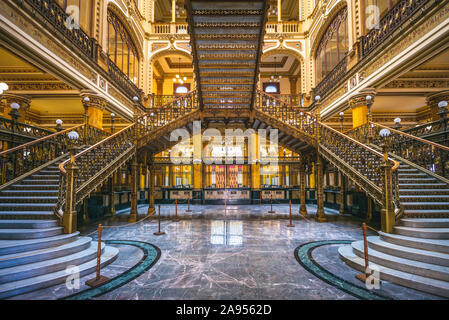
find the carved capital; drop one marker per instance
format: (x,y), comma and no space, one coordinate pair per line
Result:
(22,100)
(360,99)
(92,100)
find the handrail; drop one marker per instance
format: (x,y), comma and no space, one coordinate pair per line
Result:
(437,145)
(28,144)
(62,164)
(395,163)
(291,106)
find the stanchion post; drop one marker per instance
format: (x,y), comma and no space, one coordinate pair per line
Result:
(188,206)
(99,279)
(290,205)
(159,232)
(176,211)
(271,204)
(364,276)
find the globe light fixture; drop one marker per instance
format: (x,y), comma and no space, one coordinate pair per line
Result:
(73,135)
(384,133)
(59,122)
(15,106)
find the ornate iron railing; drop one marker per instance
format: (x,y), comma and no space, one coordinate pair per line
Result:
(61,21)
(97,163)
(23,128)
(359,162)
(161,100)
(436,131)
(330,81)
(122,81)
(400,13)
(21,159)
(427,154)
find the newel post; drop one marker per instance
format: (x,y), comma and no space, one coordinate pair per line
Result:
(69,217)
(387,212)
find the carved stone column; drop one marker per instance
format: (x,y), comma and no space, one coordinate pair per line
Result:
(320,216)
(302,188)
(111,208)
(159,86)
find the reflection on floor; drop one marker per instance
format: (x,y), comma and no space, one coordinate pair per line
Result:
(229,258)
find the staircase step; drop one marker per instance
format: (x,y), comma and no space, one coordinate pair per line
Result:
(429,213)
(426,233)
(40,182)
(15,246)
(425,205)
(27,224)
(33,193)
(417,175)
(44,177)
(426,223)
(418,243)
(36,187)
(21,234)
(421,180)
(402,264)
(59,275)
(437,258)
(27,206)
(429,192)
(10,215)
(423,197)
(27,199)
(415,185)
(48,266)
(21,258)
(437,287)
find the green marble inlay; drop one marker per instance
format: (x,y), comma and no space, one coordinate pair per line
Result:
(303,254)
(151,255)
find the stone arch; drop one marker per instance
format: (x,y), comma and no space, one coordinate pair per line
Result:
(125,21)
(285,50)
(327,21)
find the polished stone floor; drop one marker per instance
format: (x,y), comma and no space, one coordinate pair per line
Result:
(229,253)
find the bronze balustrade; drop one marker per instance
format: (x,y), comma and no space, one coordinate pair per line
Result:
(427,154)
(19,128)
(325,86)
(122,81)
(399,14)
(364,165)
(97,163)
(436,131)
(55,15)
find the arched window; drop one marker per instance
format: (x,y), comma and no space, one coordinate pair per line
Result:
(181,89)
(271,89)
(333,45)
(375,10)
(121,48)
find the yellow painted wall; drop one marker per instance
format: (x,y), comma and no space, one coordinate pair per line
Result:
(359,116)
(95,117)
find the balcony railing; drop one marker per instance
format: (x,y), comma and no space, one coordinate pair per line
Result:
(330,81)
(436,131)
(170,28)
(55,15)
(400,13)
(122,80)
(282,27)
(22,129)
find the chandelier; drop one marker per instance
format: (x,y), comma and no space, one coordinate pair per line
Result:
(275,77)
(178,78)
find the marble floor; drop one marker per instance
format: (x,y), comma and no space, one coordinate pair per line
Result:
(229,253)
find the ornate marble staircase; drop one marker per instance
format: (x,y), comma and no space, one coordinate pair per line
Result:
(416,255)
(34,251)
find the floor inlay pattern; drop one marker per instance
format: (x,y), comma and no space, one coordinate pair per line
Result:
(303,254)
(151,255)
